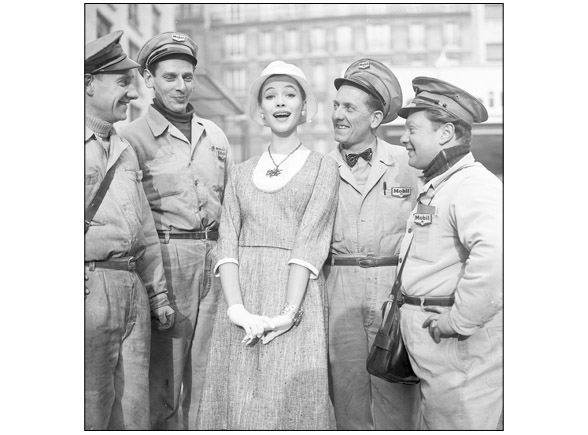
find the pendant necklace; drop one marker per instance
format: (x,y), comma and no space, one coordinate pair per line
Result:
(277,171)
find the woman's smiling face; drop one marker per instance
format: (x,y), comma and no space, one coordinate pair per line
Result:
(281,103)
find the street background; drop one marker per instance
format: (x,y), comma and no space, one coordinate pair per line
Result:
(458,43)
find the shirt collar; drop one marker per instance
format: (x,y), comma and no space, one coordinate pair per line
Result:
(159,124)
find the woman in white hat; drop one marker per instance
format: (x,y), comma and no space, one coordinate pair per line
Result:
(267,367)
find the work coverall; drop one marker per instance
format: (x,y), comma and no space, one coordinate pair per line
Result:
(184,182)
(117,308)
(457,250)
(369,221)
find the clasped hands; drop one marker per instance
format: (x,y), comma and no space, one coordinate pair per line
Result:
(256,326)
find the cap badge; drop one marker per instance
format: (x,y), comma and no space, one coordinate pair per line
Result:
(364,65)
(178,37)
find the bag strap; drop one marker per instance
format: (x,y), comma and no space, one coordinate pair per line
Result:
(395,292)
(97,200)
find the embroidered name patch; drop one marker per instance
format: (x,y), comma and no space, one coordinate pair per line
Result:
(400,192)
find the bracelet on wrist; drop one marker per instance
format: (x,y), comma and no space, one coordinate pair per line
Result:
(293,312)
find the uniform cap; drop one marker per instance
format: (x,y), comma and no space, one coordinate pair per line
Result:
(435,93)
(281,68)
(107,55)
(166,44)
(376,79)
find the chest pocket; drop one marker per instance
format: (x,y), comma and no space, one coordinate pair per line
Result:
(160,177)
(91,182)
(425,246)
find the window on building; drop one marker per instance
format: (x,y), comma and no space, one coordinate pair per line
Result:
(234,12)
(265,43)
(103,26)
(318,40)
(451,34)
(134,15)
(156,21)
(235,80)
(494,52)
(185,10)
(318,76)
(493,11)
(319,118)
(343,38)
(133,52)
(376,8)
(416,36)
(267,11)
(235,44)
(378,37)
(291,41)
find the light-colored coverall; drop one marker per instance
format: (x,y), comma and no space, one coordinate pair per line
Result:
(460,253)
(184,183)
(117,308)
(372,222)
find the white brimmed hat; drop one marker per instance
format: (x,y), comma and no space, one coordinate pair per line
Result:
(281,68)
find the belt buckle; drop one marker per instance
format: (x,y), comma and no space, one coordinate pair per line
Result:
(131,263)
(206,234)
(368,261)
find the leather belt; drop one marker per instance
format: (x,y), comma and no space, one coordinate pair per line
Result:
(441,301)
(125,263)
(192,235)
(362,261)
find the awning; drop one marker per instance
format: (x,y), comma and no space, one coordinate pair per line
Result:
(211,99)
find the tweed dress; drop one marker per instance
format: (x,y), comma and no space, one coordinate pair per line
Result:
(282,385)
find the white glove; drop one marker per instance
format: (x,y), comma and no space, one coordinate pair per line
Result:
(253,324)
(279,325)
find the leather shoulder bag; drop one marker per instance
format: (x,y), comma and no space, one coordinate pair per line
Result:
(388,358)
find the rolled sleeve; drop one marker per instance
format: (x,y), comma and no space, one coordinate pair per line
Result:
(219,263)
(313,270)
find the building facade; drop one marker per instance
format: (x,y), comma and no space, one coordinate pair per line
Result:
(459,43)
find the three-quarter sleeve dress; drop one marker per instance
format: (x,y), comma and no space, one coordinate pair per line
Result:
(282,385)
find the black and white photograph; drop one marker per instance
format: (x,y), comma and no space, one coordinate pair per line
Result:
(297,217)
(293,217)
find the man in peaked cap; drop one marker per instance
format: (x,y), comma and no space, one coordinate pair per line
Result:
(451,319)
(124,274)
(186,161)
(377,191)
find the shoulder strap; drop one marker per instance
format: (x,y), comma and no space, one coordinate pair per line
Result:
(398,283)
(97,200)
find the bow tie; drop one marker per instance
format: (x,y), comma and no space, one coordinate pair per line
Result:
(352,158)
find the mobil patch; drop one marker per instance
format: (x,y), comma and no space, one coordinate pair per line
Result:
(400,192)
